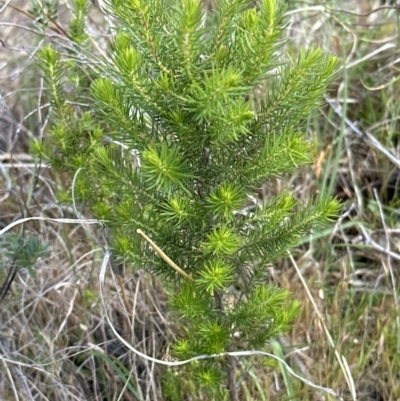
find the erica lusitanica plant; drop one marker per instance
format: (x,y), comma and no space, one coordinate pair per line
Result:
(186,113)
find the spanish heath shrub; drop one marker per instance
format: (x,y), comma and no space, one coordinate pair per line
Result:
(188,113)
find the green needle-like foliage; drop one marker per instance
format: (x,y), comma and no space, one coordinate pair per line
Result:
(193,111)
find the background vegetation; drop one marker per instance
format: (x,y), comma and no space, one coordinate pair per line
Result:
(55,342)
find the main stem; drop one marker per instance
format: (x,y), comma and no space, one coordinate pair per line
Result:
(230,366)
(230,370)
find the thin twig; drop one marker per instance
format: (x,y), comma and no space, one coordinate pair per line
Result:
(368,137)
(369,241)
(341,359)
(164,256)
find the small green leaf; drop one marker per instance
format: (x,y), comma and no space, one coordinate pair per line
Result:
(178,209)
(225,199)
(25,251)
(222,241)
(215,276)
(164,168)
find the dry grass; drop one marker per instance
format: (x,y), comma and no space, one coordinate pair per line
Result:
(55,343)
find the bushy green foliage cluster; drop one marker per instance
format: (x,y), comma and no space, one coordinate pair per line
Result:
(192,110)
